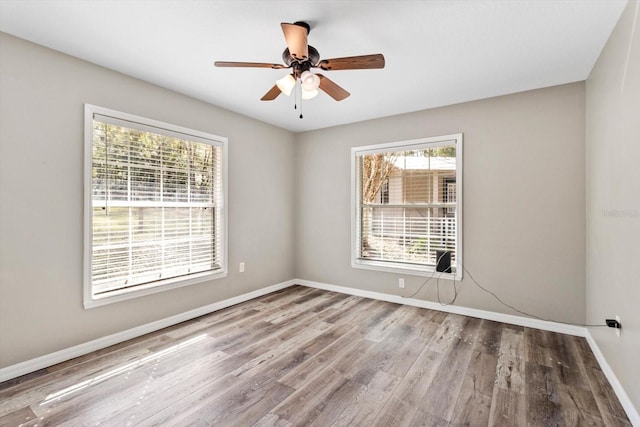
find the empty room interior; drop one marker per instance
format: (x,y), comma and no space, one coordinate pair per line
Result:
(278,213)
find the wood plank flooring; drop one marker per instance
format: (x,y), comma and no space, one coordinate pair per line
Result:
(306,357)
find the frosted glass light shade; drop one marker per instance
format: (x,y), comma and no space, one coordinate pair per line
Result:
(310,81)
(309,94)
(286,84)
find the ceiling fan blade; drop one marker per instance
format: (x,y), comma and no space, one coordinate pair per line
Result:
(249,65)
(332,89)
(272,94)
(352,62)
(296,37)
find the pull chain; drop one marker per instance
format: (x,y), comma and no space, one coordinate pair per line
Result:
(295,100)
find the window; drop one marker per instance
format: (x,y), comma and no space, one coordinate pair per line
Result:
(155,206)
(407,206)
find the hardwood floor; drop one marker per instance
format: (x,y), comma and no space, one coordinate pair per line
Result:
(308,357)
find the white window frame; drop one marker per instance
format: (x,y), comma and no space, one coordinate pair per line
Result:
(89,299)
(356,189)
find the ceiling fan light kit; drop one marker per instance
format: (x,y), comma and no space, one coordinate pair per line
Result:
(309,81)
(286,84)
(301,58)
(309,94)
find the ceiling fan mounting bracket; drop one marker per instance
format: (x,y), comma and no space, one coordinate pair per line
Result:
(303,25)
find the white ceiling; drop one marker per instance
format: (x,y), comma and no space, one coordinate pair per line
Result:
(437,52)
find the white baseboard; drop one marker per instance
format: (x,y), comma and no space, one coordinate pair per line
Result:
(562,328)
(42,362)
(625,401)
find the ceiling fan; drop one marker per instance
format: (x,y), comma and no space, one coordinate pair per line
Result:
(301,58)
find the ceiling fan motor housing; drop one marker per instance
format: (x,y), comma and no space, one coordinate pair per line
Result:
(300,66)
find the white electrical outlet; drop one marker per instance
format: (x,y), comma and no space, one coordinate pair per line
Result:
(401,283)
(618,329)
(241,268)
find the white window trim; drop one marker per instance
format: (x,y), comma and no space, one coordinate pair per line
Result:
(89,299)
(397,267)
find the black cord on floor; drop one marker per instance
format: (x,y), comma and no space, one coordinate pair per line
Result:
(496,297)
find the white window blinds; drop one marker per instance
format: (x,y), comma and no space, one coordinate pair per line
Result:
(156,205)
(407,206)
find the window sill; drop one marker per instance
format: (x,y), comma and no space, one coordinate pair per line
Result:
(400,268)
(91,301)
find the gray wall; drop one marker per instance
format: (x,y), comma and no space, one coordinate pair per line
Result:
(613,198)
(41,200)
(524,188)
